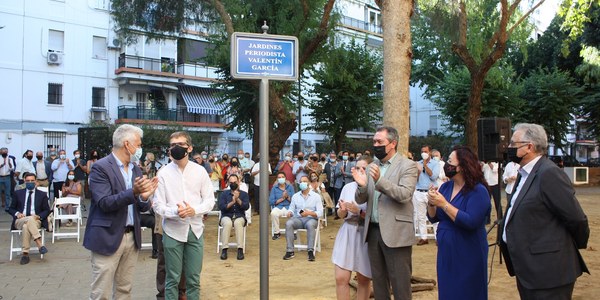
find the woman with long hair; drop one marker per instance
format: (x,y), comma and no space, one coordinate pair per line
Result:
(71,188)
(461,207)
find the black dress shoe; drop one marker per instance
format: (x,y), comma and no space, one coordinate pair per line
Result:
(276,236)
(240,255)
(24,259)
(43,250)
(311,255)
(154,254)
(224,254)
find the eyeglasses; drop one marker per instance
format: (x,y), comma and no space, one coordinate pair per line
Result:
(513,143)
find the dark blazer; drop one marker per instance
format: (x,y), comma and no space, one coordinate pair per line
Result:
(545,229)
(47,167)
(108,211)
(42,208)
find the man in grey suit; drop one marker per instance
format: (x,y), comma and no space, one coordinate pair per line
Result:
(544,224)
(388,186)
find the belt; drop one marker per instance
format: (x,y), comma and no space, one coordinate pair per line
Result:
(129,229)
(4,175)
(423,191)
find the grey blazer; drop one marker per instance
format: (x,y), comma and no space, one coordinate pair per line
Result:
(544,230)
(395,206)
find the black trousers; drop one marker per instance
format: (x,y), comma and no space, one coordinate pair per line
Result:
(564,292)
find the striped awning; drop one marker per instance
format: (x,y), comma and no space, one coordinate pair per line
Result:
(201,100)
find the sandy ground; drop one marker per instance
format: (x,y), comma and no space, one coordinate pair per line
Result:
(300,279)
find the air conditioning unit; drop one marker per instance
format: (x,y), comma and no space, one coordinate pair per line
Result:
(113,40)
(55,58)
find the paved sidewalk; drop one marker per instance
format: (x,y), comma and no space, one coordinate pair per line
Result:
(65,271)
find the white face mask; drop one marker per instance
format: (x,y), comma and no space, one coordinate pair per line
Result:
(62,156)
(281,180)
(287,158)
(436,158)
(77,155)
(135,157)
(425,155)
(71,177)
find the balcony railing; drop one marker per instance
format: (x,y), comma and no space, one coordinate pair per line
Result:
(167,66)
(179,114)
(351,22)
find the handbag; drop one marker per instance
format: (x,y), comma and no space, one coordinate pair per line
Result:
(327,199)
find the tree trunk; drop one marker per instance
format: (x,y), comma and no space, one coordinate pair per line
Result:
(397,56)
(286,124)
(474,112)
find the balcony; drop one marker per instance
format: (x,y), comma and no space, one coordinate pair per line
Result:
(362,25)
(180,115)
(164,67)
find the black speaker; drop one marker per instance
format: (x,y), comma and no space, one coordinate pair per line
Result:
(493,137)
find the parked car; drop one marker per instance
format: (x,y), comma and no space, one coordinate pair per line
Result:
(565,161)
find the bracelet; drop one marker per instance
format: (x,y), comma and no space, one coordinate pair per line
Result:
(446,208)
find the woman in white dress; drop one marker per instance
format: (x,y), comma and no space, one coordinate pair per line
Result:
(349,250)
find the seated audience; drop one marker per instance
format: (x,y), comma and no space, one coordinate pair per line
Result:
(30,210)
(305,210)
(233,204)
(279,198)
(71,188)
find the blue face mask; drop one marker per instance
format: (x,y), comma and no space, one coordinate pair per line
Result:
(30,185)
(281,180)
(303,185)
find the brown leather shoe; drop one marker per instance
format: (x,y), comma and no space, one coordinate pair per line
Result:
(422,242)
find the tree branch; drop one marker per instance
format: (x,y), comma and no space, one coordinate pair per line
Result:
(321,35)
(525,16)
(225,17)
(460,48)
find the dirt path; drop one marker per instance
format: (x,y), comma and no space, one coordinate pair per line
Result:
(300,279)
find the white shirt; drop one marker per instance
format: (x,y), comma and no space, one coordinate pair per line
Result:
(193,186)
(32,211)
(25,165)
(41,170)
(442,176)
(510,171)
(312,201)
(296,169)
(256,168)
(7,166)
(491,174)
(524,171)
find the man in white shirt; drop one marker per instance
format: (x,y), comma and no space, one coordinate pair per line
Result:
(299,165)
(184,195)
(304,212)
(7,166)
(490,172)
(25,165)
(510,176)
(256,173)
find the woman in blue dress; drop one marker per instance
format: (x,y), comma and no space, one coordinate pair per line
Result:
(461,206)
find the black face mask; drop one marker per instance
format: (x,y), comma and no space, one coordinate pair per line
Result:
(300,157)
(322,158)
(30,157)
(225,158)
(178,152)
(379,152)
(233,186)
(351,158)
(94,156)
(39,157)
(512,155)
(450,170)
(4,155)
(235,163)
(314,159)
(211,160)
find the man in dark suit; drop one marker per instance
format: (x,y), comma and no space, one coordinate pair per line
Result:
(113,234)
(30,218)
(544,224)
(388,186)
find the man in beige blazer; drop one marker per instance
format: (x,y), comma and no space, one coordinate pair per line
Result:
(387,186)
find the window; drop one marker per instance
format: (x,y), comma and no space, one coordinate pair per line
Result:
(99,47)
(56,40)
(54,139)
(98,97)
(55,93)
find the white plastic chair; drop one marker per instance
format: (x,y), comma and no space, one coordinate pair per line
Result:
(429,227)
(19,248)
(60,214)
(301,247)
(231,244)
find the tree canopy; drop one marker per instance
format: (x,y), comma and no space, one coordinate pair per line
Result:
(345,93)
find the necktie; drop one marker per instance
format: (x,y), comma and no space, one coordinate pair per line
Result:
(28,208)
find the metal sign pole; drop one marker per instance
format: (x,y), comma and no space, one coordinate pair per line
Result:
(263,146)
